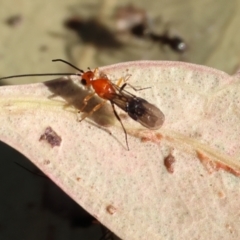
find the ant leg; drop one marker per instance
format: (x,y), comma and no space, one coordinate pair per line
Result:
(93,110)
(119,119)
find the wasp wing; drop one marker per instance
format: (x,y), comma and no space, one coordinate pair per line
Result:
(147,114)
(138,109)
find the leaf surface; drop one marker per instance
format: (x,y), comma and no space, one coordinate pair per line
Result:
(178,182)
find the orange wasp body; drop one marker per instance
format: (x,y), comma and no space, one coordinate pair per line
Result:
(137,108)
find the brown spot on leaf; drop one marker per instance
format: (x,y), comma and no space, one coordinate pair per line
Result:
(212,165)
(169,163)
(51,137)
(151,137)
(46,162)
(221,194)
(144,139)
(111,209)
(206,161)
(227,168)
(159,136)
(230,228)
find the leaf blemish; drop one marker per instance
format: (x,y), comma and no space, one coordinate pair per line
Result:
(151,137)
(169,163)
(46,162)
(111,209)
(221,194)
(212,165)
(51,137)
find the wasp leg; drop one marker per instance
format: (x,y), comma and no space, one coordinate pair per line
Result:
(119,119)
(93,110)
(126,83)
(85,101)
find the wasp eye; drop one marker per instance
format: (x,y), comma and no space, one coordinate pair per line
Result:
(84,82)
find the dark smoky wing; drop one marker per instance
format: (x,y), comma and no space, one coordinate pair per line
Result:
(152,117)
(120,100)
(138,109)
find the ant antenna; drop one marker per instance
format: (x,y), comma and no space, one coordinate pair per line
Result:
(68,63)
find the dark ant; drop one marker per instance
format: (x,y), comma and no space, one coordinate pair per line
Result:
(175,43)
(136,22)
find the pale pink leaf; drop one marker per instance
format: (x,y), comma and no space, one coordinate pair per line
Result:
(178,182)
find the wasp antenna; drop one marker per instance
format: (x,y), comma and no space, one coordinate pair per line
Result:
(68,63)
(40,74)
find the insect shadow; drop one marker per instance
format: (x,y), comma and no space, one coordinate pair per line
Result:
(74,95)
